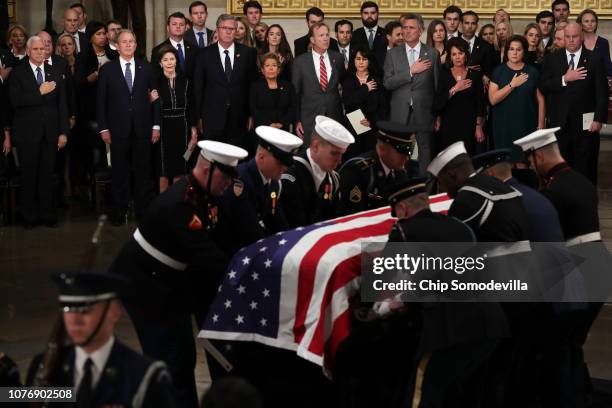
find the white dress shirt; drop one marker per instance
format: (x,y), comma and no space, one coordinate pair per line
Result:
(42,68)
(545,41)
(316,58)
(112,47)
(470,42)
(99,359)
(231,50)
(132,67)
(576,59)
(348,51)
(318,175)
(417,52)
(451,35)
(175,45)
(367,31)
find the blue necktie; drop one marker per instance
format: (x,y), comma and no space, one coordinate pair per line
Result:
(201,39)
(571,63)
(181,56)
(228,65)
(128,76)
(39,77)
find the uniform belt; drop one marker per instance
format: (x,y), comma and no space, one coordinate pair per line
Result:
(157,254)
(581,239)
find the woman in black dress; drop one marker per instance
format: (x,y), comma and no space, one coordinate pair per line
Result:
(535,52)
(362,89)
(275,41)
(178,131)
(459,101)
(272,99)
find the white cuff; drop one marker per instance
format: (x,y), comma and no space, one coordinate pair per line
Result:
(156,127)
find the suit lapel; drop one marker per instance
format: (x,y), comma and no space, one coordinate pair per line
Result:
(584,59)
(312,68)
(122,76)
(564,63)
(107,387)
(237,59)
(137,74)
(334,73)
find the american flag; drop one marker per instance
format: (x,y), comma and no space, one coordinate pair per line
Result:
(293,289)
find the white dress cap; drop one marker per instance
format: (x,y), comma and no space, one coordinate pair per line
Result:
(224,153)
(285,141)
(537,139)
(333,132)
(445,156)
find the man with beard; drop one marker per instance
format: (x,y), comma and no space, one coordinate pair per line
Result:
(371,34)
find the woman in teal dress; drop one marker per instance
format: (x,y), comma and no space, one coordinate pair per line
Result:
(518,105)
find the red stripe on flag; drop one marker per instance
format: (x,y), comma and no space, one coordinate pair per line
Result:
(308,266)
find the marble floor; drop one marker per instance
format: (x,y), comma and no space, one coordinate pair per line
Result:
(28,303)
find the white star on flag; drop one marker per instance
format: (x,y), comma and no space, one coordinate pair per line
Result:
(215,318)
(241,289)
(239,319)
(246,260)
(228,304)
(220,288)
(263,322)
(232,274)
(282,241)
(263,249)
(266,293)
(253,305)
(255,275)
(268,263)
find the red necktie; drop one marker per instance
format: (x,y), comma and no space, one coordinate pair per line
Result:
(323,79)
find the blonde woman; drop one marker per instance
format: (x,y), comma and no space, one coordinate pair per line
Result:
(503,31)
(66,48)
(241,35)
(16,42)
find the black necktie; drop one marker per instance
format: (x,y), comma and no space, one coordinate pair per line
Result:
(571,63)
(85,392)
(228,65)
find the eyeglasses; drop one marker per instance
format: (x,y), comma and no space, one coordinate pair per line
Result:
(227,28)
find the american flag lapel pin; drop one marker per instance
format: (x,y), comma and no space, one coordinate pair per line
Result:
(237,55)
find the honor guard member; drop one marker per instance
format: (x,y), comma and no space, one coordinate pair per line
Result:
(493,210)
(103,371)
(311,187)
(457,339)
(576,201)
(250,210)
(363,178)
(175,267)
(542,215)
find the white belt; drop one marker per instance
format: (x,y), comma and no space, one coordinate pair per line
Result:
(581,239)
(157,254)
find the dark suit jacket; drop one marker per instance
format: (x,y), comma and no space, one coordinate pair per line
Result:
(62,67)
(190,51)
(124,375)
(215,95)
(312,100)
(360,37)
(482,54)
(300,45)
(578,97)
(121,112)
(191,37)
(273,106)
(35,115)
(86,64)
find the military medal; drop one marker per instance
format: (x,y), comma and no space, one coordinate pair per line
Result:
(273,198)
(327,195)
(212,214)
(195,223)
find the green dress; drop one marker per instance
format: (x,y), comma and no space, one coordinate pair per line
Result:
(517,115)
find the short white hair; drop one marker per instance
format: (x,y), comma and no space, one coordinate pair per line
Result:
(31,40)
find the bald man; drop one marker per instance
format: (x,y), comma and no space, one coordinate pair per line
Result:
(71,26)
(574,81)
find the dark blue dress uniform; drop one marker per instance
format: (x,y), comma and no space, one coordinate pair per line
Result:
(175,269)
(302,202)
(542,215)
(249,210)
(127,378)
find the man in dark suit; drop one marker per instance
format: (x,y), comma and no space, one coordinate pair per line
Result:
(314,15)
(253,12)
(344,34)
(223,76)
(452,19)
(129,123)
(481,52)
(546,21)
(574,81)
(371,35)
(71,26)
(187,51)
(411,76)
(101,369)
(199,34)
(316,76)
(112,29)
(40,126)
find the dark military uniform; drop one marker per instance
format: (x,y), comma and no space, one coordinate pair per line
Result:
(363,179)
(174,268)
(128,379)
(493,210)
(249,210)
(302,202)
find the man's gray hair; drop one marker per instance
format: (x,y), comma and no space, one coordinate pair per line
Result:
(124,30)
(225,17)
(31,40)
(415,16)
